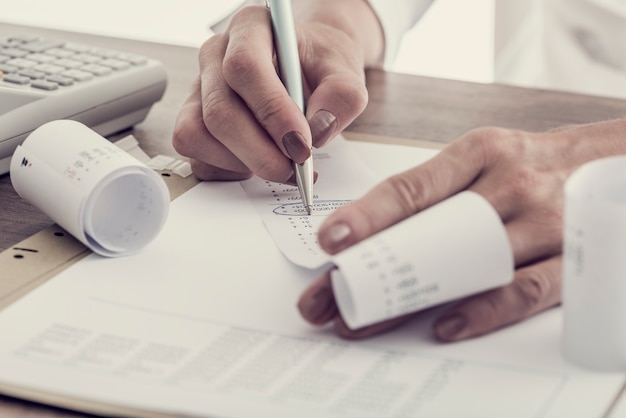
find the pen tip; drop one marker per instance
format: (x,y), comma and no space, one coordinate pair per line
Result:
(309,209)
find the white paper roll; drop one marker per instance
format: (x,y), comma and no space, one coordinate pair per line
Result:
(108,200)
(594,265)
(454,249)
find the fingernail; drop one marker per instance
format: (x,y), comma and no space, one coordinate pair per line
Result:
(452,328)
(318,307)
(323,125)
(335,238)
(296,146)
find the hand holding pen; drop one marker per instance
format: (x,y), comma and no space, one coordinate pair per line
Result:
(239,119)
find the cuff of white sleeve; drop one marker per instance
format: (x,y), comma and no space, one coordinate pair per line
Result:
(396,18)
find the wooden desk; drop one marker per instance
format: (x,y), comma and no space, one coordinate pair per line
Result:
(401,106)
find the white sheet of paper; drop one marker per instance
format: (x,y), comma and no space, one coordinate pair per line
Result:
(185,22)
(204,322)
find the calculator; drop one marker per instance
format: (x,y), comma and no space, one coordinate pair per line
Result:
(47,79)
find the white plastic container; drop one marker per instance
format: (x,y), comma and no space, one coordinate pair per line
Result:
(594,265)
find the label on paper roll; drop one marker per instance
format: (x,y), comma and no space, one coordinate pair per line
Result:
(594,265)
(104,197)
(454,249)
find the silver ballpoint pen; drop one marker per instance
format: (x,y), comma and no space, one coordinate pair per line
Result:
(286,45)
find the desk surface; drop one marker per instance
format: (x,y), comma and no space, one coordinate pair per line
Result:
(401,106)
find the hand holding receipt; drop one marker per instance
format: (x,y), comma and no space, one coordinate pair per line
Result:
(403,269)
(289,68)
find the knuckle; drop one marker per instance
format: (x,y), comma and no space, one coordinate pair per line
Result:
(210,44)
(481,136)
(496,144)
(270,107)
(217,111)
(184,136)
(352,95)
(414,189)
(238,65)
(526,183)
(240,71)
(531,290)
(408,192)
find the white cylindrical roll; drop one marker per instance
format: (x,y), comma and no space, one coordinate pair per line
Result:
(451,250)
(104,197)
(594,265)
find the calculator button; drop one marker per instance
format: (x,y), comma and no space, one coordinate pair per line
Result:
(23,38)
(40,45)
(115,64)
(49,68)
(30,73)
(41,57)
(14,52)
(104,53)
(67,63)
(21,63)
(60,80)
(87,58)
(60,52)
(133,59)
(95,69)
(16,79)
(76,47)
(8,43)
(4,58)
(44,85)
(7,69)
(77,75)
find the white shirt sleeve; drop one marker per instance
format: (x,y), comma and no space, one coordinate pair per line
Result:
(396,18)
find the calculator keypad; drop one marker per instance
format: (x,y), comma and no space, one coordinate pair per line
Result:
(48,64)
